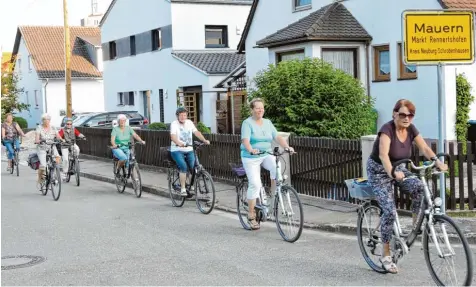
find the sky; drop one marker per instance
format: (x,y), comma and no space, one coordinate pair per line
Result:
(40,12)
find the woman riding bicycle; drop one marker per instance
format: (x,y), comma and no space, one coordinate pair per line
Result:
(257,135)
(69,133)
(120,139)
(181,148)
(45,132)
(10,131)
(394,142)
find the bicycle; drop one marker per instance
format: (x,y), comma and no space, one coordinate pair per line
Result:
(120,176)
(73,165)
(400,242)
(16,158)
(52,175)
(197,174)
(266,204)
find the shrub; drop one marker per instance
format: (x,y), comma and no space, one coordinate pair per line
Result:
(464,99)
(157,126)
(203,128)
(311,98)
(21,122)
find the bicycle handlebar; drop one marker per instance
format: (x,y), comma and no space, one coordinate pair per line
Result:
(128,145)
(424,166)
(195,144)
(275,152)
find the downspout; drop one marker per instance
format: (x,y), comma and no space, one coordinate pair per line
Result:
(46,101)
(367,67)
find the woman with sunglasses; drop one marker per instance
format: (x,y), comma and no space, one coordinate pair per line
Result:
(394,142)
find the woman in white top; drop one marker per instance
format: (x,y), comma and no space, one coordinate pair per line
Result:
(45,132)
(181,132)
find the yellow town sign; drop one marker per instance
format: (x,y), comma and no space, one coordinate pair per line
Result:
(432,37)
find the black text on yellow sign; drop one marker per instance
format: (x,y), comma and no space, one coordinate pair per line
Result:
(438,37)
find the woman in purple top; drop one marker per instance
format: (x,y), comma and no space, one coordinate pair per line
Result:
(394,142)
(10,132)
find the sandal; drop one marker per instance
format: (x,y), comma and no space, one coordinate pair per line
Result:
(388,264)
(253,223)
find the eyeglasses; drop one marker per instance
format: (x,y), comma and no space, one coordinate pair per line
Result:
(69,124)
(403,116)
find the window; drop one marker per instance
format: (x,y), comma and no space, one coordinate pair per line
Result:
(302,4)
(19,66)
(216,37)
(405,72)
(96,121)
(161,103)
(156,39)
(112,50)
(30,63)
(27,98)
(133,45)
(344,59)
(381,63)
(36,99)
(290,55)
(125,99)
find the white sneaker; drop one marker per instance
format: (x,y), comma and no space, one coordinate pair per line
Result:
(183,191)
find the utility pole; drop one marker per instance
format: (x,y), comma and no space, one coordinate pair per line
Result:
(67,51)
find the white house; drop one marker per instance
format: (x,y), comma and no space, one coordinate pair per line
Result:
(172,47)
(39,61)
(363,38)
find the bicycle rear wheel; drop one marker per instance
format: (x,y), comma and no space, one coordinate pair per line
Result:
(136,180)
(242,205)
(174,188)
(55,182)
(450,242)
(70,168)
(205,194)
(291,213)
(120,178)
(368,235)
(12,163)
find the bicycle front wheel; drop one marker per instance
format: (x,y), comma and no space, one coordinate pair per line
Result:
(289,214)
(136,181)
(451,241)
(205,192)
(76,171)
(55,182)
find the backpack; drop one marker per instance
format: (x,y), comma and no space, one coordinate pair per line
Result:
(33,161)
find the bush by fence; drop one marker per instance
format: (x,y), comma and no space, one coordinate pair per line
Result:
(318,169)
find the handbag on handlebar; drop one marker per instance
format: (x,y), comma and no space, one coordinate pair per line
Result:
(33,161)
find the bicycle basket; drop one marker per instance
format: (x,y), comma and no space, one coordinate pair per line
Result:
(33,161)
(165,154)
(360,188)
(238,169)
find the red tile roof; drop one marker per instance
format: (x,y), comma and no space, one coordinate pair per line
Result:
(46,45)
(459,4)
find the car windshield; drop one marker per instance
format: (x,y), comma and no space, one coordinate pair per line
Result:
(81,119)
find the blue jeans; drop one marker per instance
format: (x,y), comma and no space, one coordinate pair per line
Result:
(122,154)
(9,146)
(182,159)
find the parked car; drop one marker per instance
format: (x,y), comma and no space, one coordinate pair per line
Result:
(105,119)
(74,117)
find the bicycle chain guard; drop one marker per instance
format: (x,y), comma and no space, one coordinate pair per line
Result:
(400,249)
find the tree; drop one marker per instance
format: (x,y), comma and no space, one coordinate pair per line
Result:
(464,99)
(311,98)
(11,95)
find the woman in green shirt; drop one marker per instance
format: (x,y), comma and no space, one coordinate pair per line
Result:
(120,139)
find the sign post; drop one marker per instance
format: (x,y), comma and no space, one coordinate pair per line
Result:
(438,37)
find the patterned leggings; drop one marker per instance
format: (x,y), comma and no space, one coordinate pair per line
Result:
(382,185)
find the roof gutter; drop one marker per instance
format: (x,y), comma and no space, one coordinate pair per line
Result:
(309,39)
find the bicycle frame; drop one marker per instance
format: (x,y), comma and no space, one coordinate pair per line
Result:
(269,207)
(428,209)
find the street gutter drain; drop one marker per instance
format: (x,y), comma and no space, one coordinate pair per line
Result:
(20,261)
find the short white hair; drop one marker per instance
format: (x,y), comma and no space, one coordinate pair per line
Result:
(121,117)
(45,116)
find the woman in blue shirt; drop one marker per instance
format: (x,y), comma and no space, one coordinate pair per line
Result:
(257,135)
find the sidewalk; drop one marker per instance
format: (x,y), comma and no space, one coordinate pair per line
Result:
(321,214)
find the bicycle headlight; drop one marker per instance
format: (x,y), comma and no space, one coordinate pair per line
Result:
(438,201)
(285,176)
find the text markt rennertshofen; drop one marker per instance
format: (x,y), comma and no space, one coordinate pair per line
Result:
(439,37)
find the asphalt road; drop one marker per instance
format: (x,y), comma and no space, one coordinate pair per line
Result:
(95,236)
